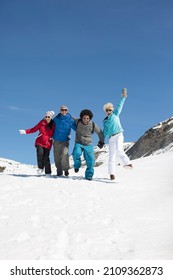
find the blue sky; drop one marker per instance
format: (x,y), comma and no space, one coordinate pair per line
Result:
(81,53)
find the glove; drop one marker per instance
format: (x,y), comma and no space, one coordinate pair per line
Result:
(22,131)
(100,144)
(124,92)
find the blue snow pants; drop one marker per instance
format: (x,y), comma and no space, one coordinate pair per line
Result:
(88,153)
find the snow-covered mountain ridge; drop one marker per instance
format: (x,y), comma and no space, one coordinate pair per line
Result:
(155,140)
(14,166)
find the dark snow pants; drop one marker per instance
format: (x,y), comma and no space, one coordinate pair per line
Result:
(43,159)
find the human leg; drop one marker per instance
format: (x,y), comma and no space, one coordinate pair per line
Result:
(47,161)
(57,156)
(120,150)
(40,157)
(77,152)
(65,156)
(89,157)
(112,155)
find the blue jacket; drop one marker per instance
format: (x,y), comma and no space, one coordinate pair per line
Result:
(111,124)
(63,125)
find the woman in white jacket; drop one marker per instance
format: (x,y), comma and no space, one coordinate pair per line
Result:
(113,130)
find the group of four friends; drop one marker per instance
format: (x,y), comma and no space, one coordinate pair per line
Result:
(56,131)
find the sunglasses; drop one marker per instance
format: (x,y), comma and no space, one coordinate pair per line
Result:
(108,110)
(47,117)
(65,110)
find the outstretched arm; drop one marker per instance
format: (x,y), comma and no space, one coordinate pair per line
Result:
(30,130)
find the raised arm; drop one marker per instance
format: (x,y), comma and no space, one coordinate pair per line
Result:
(121,103)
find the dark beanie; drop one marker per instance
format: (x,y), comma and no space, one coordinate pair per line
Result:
(86,112)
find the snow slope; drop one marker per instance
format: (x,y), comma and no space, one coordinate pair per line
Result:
(75,219)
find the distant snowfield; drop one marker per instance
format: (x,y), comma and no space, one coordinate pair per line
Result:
(75,219)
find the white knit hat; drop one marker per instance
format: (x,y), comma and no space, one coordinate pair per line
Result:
(50,114)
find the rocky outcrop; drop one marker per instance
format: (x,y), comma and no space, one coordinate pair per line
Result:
(154,140)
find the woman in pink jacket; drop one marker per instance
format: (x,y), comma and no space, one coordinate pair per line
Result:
(43,142)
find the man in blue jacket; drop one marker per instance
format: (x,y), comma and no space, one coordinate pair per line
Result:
(63,124)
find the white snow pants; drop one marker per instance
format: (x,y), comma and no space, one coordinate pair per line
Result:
(116,149)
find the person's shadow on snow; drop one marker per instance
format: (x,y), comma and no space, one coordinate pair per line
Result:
(25,175)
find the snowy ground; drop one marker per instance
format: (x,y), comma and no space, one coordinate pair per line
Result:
(66,219)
